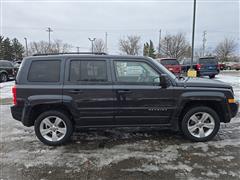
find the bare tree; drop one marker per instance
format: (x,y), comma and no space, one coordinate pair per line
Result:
(226,49)
(43,47)
(131,45)
(98,46)
(175,46)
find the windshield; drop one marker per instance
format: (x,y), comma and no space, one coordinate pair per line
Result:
(207,61)
(169,62)
(165,70)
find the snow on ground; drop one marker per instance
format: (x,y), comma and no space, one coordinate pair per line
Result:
(6,89)
(233,80)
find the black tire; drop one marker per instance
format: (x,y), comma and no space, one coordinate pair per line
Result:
(62,116)
(228,68)
(212,76)
(190,113)
(3,77)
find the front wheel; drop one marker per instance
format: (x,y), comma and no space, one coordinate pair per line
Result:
(53,128)
(212,76)
(200,124)
(3,77)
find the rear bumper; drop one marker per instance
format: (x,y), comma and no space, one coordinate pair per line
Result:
(16,112)
(208,73)
(21,114)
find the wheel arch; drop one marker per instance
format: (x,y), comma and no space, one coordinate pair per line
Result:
(36,110)
(215,105)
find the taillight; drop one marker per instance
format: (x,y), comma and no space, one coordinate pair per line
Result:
(14,92)
(198,66)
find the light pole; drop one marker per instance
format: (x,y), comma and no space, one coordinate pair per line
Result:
(26,46)
(92,40)
(106,36)
(49,30)
(159,43)
(191,72)
(193,32)
(78,49)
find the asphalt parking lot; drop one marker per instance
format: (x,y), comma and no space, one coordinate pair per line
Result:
(119,153)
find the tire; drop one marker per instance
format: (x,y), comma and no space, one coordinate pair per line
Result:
(3,77)
(212,76)
(206,129)
(53,128)
(228,68)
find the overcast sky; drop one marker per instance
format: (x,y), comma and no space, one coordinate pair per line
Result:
(75,21)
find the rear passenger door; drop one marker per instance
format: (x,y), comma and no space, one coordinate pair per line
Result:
(88,86)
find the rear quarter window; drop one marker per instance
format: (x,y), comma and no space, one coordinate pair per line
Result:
(44,71)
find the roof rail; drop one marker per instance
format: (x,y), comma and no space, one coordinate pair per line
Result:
(48,54)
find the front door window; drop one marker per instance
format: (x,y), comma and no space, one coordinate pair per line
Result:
(135,72)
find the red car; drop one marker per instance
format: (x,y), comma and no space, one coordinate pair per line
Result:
(171,64)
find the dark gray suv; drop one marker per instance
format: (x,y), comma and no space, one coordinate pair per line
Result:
(57,93)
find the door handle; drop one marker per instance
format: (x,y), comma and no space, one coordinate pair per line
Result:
(124,92)
(76,91)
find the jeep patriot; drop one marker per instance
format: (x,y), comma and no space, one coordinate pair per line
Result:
(57,93)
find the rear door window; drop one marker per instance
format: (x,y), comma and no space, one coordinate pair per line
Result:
(91,71)
(44,71)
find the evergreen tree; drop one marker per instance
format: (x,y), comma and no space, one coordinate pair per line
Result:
(7,49)
(148,49)
(1,47)
(151,50)
(145,49)
(17,49)
(10,50)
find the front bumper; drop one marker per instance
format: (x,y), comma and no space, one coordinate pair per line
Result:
(234,108)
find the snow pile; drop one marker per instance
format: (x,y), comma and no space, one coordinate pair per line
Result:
(6,89)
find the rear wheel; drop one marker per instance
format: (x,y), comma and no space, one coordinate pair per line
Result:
(3,77)
(200,124)
(53,128)
(212,76)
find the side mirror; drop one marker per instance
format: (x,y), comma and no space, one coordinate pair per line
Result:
(163,81)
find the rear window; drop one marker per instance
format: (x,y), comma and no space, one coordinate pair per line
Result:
(44,71)
(208,61)
(83,70)
(188,61)
(6,64)
(169,62)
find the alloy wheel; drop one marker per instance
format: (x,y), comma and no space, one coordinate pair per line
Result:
(201,124)
(53,128)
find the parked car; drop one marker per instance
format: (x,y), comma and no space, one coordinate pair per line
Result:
(232,66)
(171,64)
(7,70)
(205,66)
(236,66)
(17,64)
(222,66)
(59,93)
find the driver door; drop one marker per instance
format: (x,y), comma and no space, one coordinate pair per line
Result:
(140,100)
